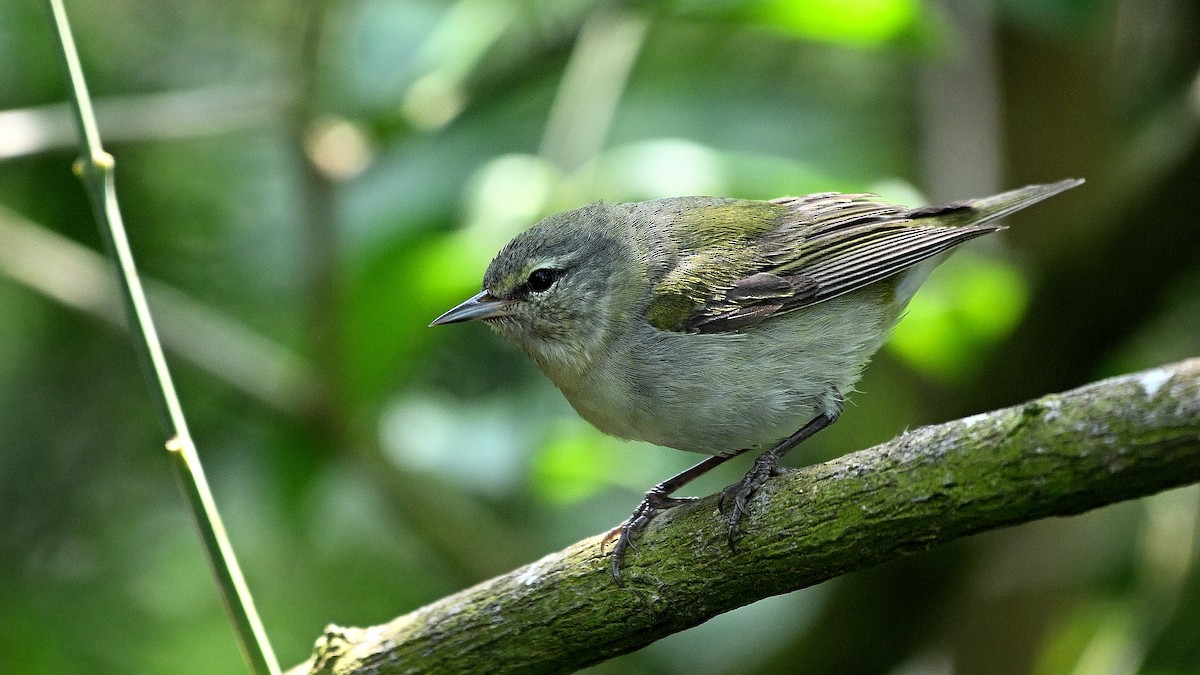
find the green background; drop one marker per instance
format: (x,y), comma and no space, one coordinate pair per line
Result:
(307,185)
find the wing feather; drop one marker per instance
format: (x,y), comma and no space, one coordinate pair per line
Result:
(822,246)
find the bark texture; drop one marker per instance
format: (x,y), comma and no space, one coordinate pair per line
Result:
(1058,455)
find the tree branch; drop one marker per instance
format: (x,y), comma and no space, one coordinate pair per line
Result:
(1059,455)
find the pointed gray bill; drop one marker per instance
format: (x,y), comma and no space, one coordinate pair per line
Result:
(479,306)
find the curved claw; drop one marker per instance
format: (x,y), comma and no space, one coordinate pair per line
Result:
(655,502)
(764,467)
(767,465)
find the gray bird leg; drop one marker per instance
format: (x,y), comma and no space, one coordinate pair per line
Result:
(767,465)
(657,500)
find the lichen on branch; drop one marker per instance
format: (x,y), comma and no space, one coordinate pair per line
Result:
(1058,455)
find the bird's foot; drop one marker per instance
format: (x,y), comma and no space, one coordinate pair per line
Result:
(734,498)
(656,501)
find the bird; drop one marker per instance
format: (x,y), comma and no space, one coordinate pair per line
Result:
(715,325)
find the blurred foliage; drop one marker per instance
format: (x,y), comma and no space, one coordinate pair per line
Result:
(309,184)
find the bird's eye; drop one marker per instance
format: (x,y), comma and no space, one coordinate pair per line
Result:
(542,279)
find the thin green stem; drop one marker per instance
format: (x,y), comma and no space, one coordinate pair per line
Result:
(96,171)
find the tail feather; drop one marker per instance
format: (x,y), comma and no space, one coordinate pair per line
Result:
(973,213)
(987,209)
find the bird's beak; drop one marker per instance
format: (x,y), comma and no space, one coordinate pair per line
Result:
(479,306)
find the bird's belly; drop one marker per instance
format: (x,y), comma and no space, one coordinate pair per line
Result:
(700,422)
(719,393)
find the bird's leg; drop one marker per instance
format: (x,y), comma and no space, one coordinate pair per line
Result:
(767,465)
(658,499)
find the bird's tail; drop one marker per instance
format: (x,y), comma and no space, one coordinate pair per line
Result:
(973,214)
(987,209)
(998,206)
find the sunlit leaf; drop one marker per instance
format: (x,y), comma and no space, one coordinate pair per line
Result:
(863,22)
(854,22)
(968,304)
(571,465)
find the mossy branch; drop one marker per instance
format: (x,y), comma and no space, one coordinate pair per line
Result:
(1059,455)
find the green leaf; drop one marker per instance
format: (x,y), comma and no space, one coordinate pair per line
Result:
(968,305)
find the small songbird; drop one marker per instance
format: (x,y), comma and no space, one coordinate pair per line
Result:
(718,326)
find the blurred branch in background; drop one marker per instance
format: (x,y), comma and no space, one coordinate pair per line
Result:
(318,228)
(1059,455)
(960,143)
(144,117)
(82,279)
(591,87)
(329,151)
(1159,144)
(448,57)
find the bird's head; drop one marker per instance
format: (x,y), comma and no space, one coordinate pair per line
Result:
(560,290)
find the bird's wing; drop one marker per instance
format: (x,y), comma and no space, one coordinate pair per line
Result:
(820,246)
(831,245)
(816,248)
